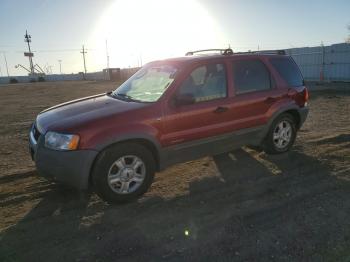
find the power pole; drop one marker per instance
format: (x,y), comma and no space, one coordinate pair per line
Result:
(60,61)
(84,52)
(7,68)
(27,38)
(322,73)
(107,56)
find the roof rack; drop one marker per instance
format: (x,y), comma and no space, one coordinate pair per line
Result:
(265,52)
(227,51)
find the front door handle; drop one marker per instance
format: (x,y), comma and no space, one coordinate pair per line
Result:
(270,100)
(220,109)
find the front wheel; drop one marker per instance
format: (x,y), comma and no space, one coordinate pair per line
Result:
(123,172)
(281,135)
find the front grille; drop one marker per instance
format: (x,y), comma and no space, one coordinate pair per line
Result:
(36,133)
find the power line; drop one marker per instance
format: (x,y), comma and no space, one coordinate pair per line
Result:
(57,50)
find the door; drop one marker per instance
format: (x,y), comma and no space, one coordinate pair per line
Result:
(255,92)
(203,112)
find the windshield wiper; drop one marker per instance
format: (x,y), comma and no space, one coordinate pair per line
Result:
(125,96)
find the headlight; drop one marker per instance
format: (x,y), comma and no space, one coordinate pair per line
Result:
(58,141)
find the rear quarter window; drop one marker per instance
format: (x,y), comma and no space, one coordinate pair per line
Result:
(288,70)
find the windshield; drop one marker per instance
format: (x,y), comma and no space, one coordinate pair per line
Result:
(148,84)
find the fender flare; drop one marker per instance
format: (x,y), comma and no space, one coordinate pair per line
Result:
(277,114)
(120,138)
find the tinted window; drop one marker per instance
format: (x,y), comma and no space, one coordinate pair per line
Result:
(206,83)
(288,70)
(250,76)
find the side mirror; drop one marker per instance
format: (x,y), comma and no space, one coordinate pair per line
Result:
(184,99)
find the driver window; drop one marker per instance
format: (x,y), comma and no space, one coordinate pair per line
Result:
(206,83)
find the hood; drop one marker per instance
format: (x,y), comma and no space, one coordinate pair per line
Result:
(77,112)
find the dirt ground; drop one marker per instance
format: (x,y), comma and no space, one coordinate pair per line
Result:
(239,206)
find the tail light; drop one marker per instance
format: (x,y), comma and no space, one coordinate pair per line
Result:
(306,96)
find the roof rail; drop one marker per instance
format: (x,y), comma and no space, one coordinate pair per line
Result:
(227,51)
(272,52)
(265,52)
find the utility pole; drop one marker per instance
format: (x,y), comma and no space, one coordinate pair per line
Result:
(84,52)
(27,39)
(60,61)
(322,73)
(107,56)
(7,68)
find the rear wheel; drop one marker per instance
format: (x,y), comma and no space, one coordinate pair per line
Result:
(123,172)
(281,135)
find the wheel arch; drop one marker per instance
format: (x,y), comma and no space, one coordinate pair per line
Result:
(296,115)
(146,142)
(293,110)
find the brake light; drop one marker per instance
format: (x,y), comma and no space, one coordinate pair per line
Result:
(306,96)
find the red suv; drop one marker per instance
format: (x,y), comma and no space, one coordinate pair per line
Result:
(170,111)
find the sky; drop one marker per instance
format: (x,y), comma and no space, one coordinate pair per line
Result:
(139,31)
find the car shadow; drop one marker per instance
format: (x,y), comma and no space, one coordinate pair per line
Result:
(34,188)
(258,207)
(341,138)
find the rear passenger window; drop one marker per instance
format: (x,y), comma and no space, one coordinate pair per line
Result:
(288,70)
(250,76)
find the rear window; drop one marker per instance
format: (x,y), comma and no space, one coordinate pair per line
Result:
(288,69)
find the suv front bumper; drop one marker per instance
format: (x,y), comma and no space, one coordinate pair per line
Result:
(69,167)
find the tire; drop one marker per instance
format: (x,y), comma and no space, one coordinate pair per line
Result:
(119,176)
(272,143)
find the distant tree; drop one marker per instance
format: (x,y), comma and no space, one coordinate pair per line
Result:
(13,81)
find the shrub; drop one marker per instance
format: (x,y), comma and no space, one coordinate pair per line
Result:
(13,81)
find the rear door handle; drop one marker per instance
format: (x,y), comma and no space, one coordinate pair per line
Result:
(220,109)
